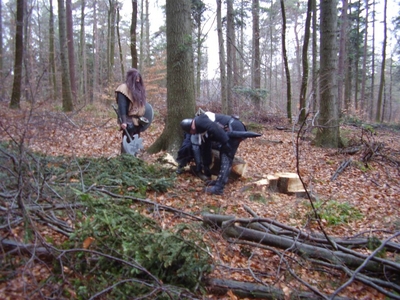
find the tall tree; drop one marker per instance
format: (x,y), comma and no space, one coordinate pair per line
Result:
(304,58)
(82,52)
(65,78)
(328,133)
(256,69)
(342,53)
(133,44)
(379,115)
(112,15)
(285,61)
(222,58)
(1,55)
(70,45)
(314,57)
(198,8)
(95,53)
(180,77)
(364,59)
(19,54)
(121,55)
(52,61)
(230,55)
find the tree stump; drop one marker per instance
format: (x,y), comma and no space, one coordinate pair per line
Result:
(289,183)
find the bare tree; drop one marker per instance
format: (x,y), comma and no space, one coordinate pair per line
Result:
(1,43)
(304,58)
(65,78)
(379,115)
(230,55)
(82,52)
(70,46)
(256,70)
(19,54)
(134,53)
(52,52)
(342,54)
(222,59)
(285,61)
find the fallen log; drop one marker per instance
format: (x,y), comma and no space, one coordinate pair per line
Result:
(244,289)
(301,249)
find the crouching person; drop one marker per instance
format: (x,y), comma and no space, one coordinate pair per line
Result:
(215,128)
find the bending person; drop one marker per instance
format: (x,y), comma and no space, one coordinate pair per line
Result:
(214,128)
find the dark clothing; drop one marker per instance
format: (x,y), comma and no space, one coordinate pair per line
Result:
(185,154)
(216,131)
(123,109)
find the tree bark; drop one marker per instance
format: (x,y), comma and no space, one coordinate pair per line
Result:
(19,54)
(379,115)
(256,76)
(65,78)
(286,63)
(222,59)
(71,48)
(180,76)
(328,135)
(134,52)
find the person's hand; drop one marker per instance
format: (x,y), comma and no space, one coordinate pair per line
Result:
(123,126)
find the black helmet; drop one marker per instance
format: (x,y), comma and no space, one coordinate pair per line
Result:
(186,124)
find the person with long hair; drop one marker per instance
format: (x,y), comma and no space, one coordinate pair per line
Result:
(131,100)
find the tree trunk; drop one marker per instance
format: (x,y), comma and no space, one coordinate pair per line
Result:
(286,63)
(342,54)
(134,53)
(2,92)
(65,79)
(222,59)
(111,40)
(328,133)
(379,115)
(364,63)
(121,57)
(82,51)
(19,54)
(256,70)
(304,58)
(95,53)
(70,43)
(314,57)
(180,77)
(230,55)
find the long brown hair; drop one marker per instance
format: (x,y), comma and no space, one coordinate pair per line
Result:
(135,85)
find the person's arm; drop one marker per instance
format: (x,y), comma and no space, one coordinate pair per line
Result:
(123,107)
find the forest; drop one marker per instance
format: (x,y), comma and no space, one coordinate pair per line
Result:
(313,211)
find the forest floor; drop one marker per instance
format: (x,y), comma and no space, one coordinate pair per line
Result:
(373,187)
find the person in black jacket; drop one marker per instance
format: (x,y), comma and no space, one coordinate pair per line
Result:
(215,128)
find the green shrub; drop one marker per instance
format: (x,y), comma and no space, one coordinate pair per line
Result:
(334,212)
(175,256)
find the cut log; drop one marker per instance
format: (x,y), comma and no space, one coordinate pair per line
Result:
(289,183)
(239,166)
(273,182)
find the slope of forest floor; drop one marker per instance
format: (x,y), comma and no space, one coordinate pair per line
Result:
(370,184)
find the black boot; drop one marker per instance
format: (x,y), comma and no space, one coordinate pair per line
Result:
(197,170)
(223,176)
